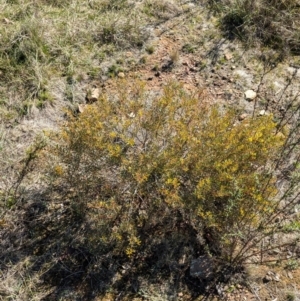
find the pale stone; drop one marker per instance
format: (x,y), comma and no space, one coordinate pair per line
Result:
(250,95)
(228,56)
(280,135)
(271,276)
(267,278)
(93,95)
(276,277)
(243,116)
(290,275)
(262,112)
(121,75)
(81,108)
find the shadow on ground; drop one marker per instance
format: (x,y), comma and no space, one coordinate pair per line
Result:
(55,243)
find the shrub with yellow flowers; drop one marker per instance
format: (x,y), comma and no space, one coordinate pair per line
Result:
(135,159)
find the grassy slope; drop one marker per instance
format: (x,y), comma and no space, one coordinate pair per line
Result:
(43,41)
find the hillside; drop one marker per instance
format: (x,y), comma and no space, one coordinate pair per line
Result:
(149,150)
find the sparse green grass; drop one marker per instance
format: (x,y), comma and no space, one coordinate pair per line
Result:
(46,40)
(160,9)
(188,48)
(150,49)
(274,23)
(292,264)
(292,226)
(290,297)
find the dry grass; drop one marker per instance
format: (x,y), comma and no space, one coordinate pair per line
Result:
(271,23)
(42,41)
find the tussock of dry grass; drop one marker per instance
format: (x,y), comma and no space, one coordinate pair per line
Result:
(274,23)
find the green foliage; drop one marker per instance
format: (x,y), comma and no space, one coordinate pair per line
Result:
(292,264)
(120,33)
(114,69)
(292,226)
(291,297)
(160,9)
(135,160)
(188,48)
(150,49)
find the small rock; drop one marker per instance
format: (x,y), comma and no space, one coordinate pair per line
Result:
(274,252)
(267,278)
(243,117)
(23,129)
(262,112)
(131,115)
(276,277)
(182,260)
(93,95)
(280,135)
(233,67)
(290,275)
(250,95)
(81,108)
(220,290)
(271,276)
(228,56)
(180,294)
(293,70)
(121,75)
